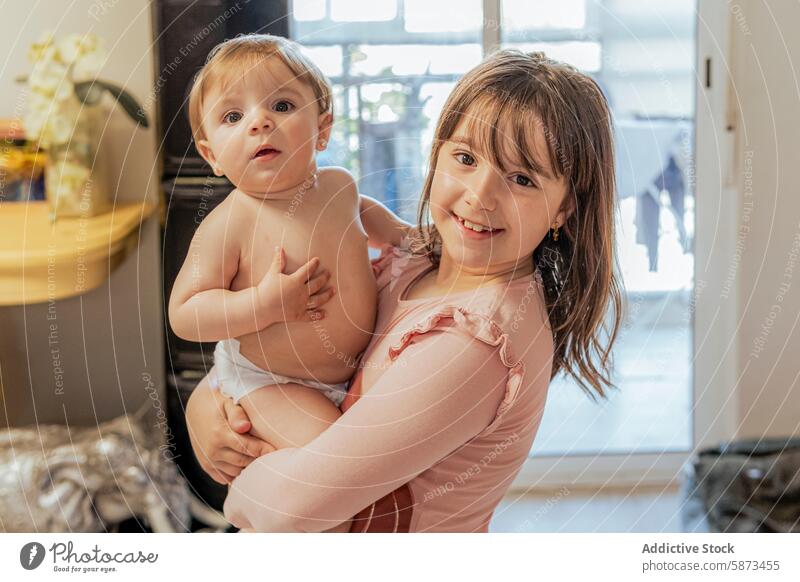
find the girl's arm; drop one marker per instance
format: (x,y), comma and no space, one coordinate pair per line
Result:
(202,307)
(221,437)
(417,413)
(381,224)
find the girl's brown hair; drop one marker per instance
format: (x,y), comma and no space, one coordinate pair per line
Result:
(528,93)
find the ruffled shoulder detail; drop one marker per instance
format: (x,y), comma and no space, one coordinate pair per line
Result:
(482,328)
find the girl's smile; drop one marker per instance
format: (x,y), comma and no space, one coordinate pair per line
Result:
(475,230)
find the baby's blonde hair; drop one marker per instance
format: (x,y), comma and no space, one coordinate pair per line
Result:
(242,53)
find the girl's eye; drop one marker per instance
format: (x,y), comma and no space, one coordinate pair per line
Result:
(232,117)
(283,106)
(465,159)
(522,180)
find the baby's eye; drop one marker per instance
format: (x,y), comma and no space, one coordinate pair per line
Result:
(232,117)
(522,180)
(465,159)
(283,106)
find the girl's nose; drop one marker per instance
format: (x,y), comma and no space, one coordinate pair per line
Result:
(481,193)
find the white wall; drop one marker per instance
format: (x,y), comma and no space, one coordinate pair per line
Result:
(110,338)
(766,65)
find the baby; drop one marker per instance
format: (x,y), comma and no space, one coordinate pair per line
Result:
(278,274)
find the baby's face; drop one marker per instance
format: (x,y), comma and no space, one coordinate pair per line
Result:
(263,129)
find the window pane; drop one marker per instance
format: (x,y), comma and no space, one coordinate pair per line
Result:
(543,14)
(306,10)
(390,81)
(417,59)
(583,55)
(359,11)
(327,58)
(427,16)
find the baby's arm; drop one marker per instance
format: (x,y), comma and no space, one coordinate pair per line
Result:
(381,224)
(203,308)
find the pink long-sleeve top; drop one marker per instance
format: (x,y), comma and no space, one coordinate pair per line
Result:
(440,416)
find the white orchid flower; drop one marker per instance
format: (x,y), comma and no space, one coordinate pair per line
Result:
(44,43)
(34,122)
(61,127)
(46,76)
(70,48)
(40,109)
(88,66)
(89,43)
(54,110)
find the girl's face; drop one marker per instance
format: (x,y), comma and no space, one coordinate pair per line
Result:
(491,220)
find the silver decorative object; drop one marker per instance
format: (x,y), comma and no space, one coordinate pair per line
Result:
(57,478)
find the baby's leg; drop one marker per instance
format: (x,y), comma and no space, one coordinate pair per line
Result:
(290,415)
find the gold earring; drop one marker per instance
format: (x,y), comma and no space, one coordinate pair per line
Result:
(555,231)
(323,143)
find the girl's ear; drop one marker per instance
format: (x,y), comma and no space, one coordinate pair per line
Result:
(567,207)
(325,125)
(561,218)
(205,151)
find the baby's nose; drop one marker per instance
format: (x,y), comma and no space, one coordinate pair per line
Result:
(260,122)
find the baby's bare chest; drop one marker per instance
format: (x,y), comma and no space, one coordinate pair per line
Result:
(331,232)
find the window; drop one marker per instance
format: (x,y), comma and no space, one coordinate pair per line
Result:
(393,63)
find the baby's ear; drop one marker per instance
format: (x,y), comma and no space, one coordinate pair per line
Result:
(325,124)
(205,151)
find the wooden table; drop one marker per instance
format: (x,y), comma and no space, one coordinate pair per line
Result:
(43,261)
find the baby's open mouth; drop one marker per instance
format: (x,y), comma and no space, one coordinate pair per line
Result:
(266,151)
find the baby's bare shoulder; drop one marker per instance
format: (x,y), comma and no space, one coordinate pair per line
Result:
(336,174)
(226,219)
(338,182)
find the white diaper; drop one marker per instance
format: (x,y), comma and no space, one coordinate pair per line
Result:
(238,376)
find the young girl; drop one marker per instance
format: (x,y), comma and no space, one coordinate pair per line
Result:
(512,284)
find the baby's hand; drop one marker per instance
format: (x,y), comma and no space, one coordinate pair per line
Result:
(293,297)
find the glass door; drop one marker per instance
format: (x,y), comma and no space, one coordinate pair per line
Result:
(642,54)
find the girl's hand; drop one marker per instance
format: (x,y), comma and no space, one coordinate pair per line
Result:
(218,430)
(293,297)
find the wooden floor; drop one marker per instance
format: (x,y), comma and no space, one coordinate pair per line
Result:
(585,512)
